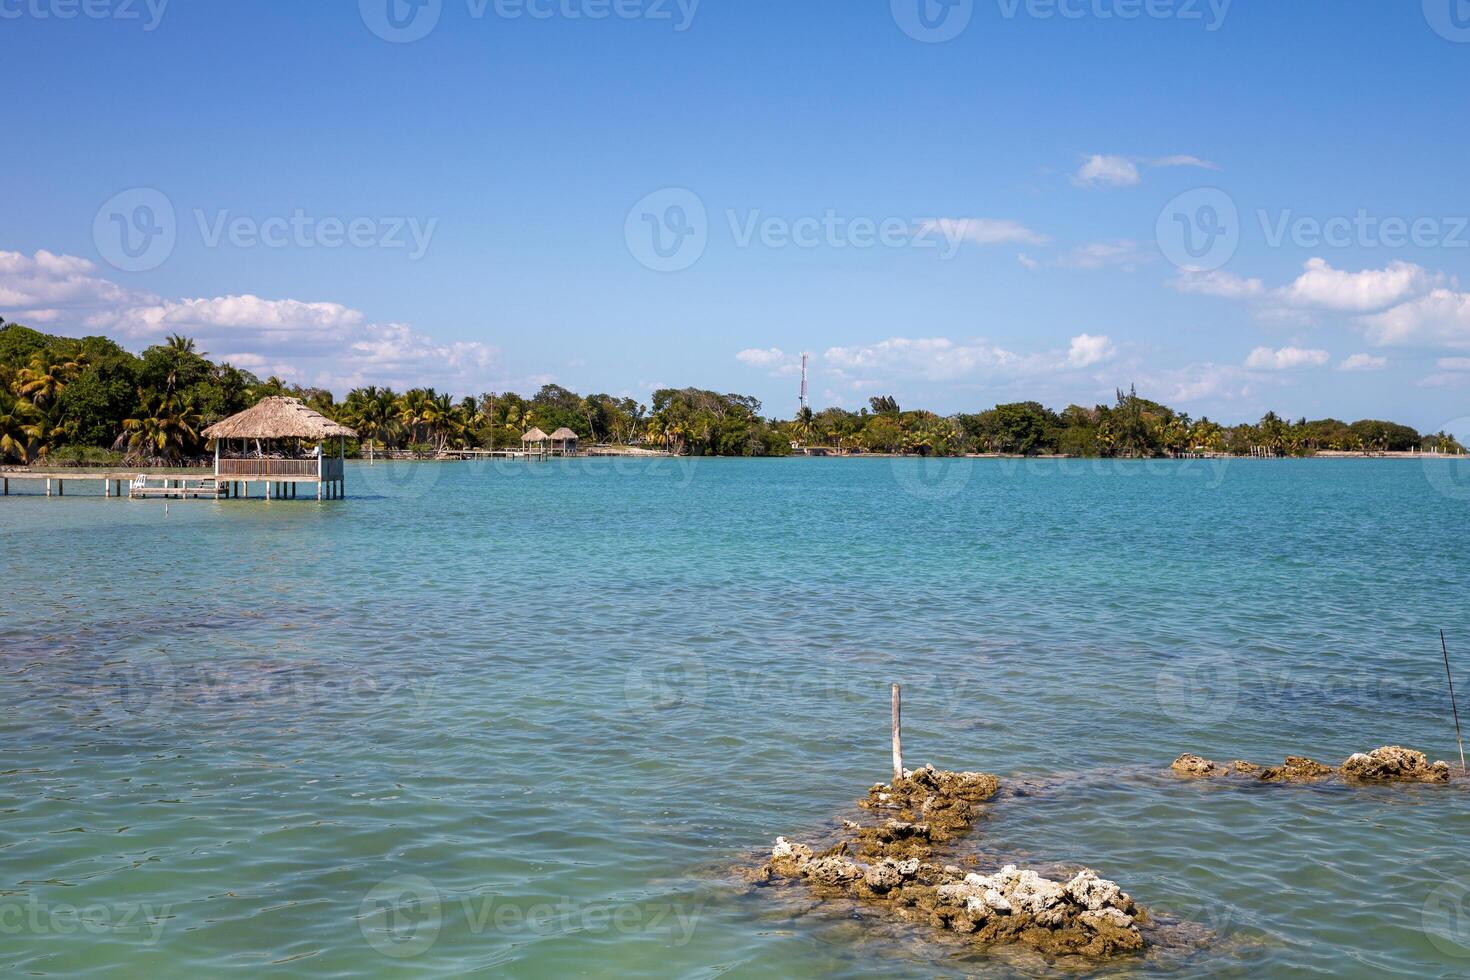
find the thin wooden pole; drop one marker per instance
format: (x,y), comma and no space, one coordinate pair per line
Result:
(897,734)
(1453,707)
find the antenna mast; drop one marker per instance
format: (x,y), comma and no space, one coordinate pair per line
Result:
(803,382)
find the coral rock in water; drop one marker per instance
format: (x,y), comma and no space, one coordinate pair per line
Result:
(1390,764)
(1087,914)
(1297,769)
(1193,765)
(1393,763)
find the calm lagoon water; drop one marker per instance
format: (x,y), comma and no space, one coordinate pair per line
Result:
(521,720)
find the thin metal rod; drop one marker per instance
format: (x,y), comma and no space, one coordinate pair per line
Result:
(1453,707)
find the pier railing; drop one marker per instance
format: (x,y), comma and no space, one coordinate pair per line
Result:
(265,469)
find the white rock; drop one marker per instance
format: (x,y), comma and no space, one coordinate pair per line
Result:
(1093,893)
(996,900)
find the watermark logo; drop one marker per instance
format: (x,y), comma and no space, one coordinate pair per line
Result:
(1199,230)
(148,12)
(139,689)
(664,682)
(1446,920)
(1449,18)
(933,21)
(1449,475)
(401,21)
(402,917)
(409,478)
(932,477)
(1199,693)
(136,230)
(668,230)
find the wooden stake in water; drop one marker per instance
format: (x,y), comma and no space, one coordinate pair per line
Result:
(1453,707)
(897,734)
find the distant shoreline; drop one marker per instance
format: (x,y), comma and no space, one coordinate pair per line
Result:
(83,472)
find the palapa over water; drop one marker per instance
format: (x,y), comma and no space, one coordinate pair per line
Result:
(278,417)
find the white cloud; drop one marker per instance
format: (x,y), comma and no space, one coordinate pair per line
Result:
(1217,283)
(755,357)
(1363,362)
(1103,170)
(45,284)
(1124,254)
(1027,262)
(1184,160)
(984,231)
(1441,316)
(1087,350)
(943,359)
(1356,292)
(1285,359)
(277,321)
(1454,363)
(932,358)
(1109,170)
(320,343)
(1199,384)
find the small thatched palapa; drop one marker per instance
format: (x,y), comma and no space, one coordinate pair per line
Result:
(535,435)
(278,418)
(564,435)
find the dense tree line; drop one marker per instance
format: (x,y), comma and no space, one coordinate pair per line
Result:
(66,401)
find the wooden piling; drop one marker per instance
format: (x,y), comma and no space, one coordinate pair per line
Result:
(897,734)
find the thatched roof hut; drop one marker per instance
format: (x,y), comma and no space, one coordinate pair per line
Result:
(536,435)
(564,435)
(278,418)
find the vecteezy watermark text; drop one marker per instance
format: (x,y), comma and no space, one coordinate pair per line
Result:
(937,21)
(669,231)
(1211,13)
(148,12)
(1363,230)
(404,916)
(302,230)
(27,915)
(138,229)
(1201,230)
(406,21)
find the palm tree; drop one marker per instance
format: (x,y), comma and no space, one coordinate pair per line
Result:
(373,412)
(44,380)
(16,417)
(804,423)
(183,345)
(413,410)
(165,426)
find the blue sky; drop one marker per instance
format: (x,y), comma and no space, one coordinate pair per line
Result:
(956,222)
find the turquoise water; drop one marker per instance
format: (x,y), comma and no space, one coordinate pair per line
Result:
(521,720)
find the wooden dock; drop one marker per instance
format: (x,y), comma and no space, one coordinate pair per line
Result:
(114,483)
(199,485)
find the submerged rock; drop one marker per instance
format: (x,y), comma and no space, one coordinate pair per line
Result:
(1087,915)
(1193,765)
(1394,763)
(1296,769)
